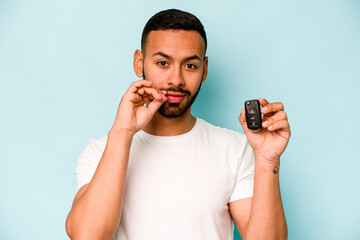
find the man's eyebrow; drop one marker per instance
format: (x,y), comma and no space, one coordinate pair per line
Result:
(163,55)
(193,57)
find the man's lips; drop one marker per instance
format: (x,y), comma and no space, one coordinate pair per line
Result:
(175,97)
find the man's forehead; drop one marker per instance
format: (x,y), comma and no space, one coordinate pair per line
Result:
(175,42)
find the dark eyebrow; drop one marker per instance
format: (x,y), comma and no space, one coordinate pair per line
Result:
(163,55)
(193,57)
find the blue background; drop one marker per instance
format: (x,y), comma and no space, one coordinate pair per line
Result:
(64,66)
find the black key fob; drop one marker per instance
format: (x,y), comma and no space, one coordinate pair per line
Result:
(253,115)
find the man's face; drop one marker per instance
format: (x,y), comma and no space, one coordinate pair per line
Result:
(174,61)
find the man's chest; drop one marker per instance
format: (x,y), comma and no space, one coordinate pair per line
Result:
(177,181)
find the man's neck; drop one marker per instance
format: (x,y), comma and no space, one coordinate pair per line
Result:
(164,126)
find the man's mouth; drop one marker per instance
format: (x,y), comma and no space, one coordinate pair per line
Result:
(175,97)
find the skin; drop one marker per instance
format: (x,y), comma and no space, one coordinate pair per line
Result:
(172,71)
(176,59)
(262,216)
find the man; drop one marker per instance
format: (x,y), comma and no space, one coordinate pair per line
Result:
(161,173)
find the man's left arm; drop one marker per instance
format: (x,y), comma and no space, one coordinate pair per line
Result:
(262,216)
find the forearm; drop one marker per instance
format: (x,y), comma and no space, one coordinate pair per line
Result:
(97,212)
(267,218)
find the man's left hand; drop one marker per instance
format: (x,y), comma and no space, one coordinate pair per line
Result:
(270,142)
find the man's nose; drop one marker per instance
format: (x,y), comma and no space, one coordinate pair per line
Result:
(176,78)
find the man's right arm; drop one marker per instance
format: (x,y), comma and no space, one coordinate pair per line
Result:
(96,210)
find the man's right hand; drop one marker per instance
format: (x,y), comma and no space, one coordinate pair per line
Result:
(97,207)
(132,115)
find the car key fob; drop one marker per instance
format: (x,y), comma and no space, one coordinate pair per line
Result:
(253,115)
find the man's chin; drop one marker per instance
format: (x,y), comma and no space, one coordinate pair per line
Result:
(172,110)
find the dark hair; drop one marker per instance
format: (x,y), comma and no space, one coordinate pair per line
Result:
(173,19)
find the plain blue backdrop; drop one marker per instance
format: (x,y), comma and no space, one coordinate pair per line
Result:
(64,66)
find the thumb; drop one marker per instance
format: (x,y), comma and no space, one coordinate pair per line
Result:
(242,120)
(155,105)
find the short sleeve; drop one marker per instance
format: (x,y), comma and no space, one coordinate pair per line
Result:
(244,175)
(88,161)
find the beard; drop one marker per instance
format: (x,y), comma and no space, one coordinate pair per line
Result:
(174,110)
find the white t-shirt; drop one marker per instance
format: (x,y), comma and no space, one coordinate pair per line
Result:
(179,187)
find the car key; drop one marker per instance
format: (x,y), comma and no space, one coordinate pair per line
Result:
(253,115)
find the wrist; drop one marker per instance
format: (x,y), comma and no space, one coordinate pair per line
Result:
(267,162)
(267,167)
(116,133)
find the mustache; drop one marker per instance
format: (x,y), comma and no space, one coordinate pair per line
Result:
(176,89)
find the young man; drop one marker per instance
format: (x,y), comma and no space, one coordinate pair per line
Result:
(161,173)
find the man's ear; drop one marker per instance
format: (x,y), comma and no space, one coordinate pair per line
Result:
(138,63)
(205,69)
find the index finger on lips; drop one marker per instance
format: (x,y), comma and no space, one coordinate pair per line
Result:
(152,92)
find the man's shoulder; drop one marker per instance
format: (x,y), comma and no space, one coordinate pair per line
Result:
(97,144)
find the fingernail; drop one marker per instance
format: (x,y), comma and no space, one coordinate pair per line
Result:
(271,127)
(264,109)
(265,123)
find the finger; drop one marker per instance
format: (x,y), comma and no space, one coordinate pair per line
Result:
(263,101)
(283,124)
(147,100)
(138,84)
(242,120)
(144,95)
(145,92)
(267,121)
(272,108)
(155,105)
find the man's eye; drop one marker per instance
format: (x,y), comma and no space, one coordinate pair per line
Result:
(162,63)
(191,66)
